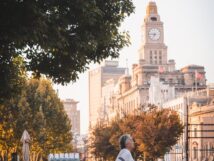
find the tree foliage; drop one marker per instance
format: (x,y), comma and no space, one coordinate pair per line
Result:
(59,38)
(12,77)
(101,140)
(48,122)
(154,131)
(158,132)
(38,110)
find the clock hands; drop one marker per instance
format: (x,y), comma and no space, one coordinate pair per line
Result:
(154,34)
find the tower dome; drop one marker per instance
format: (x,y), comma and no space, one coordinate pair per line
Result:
(151,8)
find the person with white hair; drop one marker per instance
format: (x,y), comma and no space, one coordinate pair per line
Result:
(126,146)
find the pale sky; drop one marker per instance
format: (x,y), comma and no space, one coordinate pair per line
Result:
(189,35)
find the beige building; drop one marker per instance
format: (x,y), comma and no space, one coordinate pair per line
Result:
(107,100)
(106,74)
(73,113)
(191,103)
(154,79)
(112,91)
(97,79)
(201,142)
(154,76)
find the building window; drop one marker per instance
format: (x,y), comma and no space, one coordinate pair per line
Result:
(153,18)
(162,79)
(160,62)
(195,153)
(170,80)
(160,52)
(211,149)
(160,57)
(195,132)
(206,150)
(151,56)
(203,152)
(155,52)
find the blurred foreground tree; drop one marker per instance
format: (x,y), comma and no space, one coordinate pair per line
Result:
(154,131)
(12,77)
(59,38)
(11,88)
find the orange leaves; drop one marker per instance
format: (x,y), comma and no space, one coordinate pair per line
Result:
(154,132)
(159,131)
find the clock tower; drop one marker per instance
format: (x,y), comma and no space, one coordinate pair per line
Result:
(153,51)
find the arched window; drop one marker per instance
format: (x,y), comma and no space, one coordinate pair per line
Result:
(195,153)
(206,150)
(195,150)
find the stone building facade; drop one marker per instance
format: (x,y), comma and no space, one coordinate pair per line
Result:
(97,79)
(153,79)
(134,90)
(201,142)
(192,106)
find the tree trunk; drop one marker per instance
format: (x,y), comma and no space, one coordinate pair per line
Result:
(32,156)
(5,157)
(144,156)
(37,157)
(1,158)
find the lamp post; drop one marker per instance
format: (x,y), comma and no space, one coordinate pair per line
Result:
(187,130)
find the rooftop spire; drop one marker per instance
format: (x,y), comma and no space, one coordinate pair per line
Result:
(151,8)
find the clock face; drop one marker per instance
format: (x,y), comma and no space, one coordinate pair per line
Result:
(154,34)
